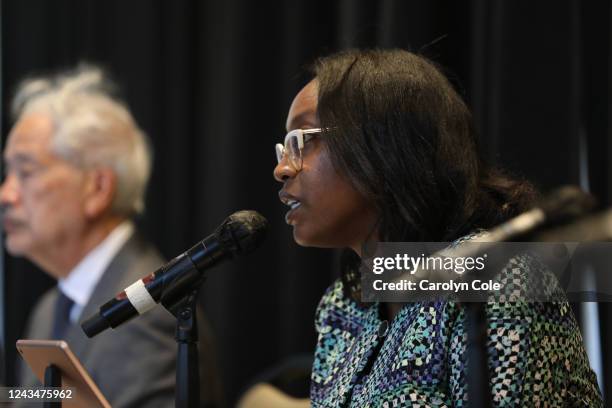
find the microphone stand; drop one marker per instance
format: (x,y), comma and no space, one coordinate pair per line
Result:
(478,387)
(53,378)
(187,362)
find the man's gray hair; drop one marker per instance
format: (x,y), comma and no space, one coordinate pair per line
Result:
(92,129)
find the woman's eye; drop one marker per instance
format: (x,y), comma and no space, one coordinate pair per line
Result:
(309,144)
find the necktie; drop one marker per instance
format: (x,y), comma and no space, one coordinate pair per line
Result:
(61,318)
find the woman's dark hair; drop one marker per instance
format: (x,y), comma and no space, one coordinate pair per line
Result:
(404,138)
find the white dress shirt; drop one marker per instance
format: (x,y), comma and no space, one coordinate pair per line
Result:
(81,281)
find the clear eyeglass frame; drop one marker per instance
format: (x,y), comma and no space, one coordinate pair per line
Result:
(294,144)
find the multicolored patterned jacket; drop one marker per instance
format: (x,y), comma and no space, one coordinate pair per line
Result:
(535,354)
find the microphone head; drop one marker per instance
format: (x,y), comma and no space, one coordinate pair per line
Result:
(567,203)
(242,232)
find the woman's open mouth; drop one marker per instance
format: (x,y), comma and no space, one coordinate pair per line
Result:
(294,206)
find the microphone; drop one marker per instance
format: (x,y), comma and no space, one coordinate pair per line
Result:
(596,227)
(240,233)
(561,206)
(556,209)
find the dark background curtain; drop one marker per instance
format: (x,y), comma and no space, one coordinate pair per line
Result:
(211,83)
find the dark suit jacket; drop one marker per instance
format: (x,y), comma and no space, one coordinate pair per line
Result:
(134,364)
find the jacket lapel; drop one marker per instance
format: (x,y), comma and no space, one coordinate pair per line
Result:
(110,284)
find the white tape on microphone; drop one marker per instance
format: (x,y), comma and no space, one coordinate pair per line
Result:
(139,297)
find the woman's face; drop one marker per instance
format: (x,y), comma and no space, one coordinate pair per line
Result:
(331,213)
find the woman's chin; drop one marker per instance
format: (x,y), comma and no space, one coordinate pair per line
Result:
(303,237)
(306,239)
(300,239)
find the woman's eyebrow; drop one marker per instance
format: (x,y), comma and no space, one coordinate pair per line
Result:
(303,120)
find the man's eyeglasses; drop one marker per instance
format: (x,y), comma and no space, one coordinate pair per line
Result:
(294,144)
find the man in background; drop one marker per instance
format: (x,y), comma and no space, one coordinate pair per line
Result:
(77,168)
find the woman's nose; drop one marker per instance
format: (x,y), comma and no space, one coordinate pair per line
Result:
(284,170)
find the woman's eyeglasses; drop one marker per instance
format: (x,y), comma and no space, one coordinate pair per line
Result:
(294,144)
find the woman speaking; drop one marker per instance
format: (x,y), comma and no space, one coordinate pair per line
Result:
(380,148)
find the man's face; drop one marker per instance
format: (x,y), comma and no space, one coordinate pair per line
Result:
(42,195)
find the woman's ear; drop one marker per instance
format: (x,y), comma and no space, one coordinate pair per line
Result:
(101,187)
